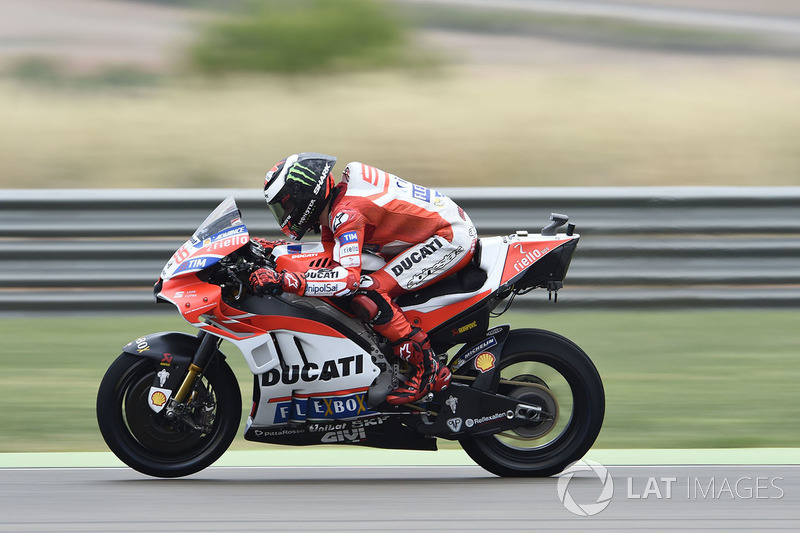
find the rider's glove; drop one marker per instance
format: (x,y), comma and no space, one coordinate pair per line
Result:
(269,245)
(266,279)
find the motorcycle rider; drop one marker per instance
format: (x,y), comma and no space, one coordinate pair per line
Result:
(422,234)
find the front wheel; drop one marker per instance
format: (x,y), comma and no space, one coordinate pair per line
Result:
(148,442)
(549,371)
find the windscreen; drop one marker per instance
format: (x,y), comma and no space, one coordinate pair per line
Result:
(225,216)
(221,233)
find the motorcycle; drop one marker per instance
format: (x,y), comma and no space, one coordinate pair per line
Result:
(522,402)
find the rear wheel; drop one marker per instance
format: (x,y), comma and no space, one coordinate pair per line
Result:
(546,370)
(150,443)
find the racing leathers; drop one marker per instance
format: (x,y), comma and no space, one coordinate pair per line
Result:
(421,234)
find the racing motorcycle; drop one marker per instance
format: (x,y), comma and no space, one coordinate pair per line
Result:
(522,402)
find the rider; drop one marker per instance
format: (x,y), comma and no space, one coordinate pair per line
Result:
(422,234)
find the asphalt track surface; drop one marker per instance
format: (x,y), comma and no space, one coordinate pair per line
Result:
(398,498)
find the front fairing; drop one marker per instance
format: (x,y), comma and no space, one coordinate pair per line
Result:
(222,233)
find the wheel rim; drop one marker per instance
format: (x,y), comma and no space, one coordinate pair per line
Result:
(538,394)
(150,432)
(545,373)
(547,388)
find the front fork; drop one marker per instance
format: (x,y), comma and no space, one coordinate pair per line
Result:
(202,357)
(208,347)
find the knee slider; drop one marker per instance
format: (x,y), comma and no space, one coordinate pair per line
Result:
(371,307)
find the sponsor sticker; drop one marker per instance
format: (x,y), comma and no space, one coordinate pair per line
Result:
(350,236)
(465,328)
(330,369)
(344,436)
(454,424)
(295,409)
(323,273)
(485,362)
(452,403)
(158,398)
(464,359)
(141,345)
(227,233)
(471,422)
(338,407)
(322,408)
(324,289)
(418,192)
(348,249)
(350,261)
(338,220)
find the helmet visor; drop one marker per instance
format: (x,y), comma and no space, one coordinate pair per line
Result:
(282,210)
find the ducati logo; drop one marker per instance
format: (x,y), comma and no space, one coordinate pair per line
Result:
(423,251)
(331,369)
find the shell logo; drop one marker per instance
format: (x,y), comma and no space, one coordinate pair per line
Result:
(158,398)
(485,362)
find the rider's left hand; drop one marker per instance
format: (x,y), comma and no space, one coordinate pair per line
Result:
(266,279)
(267,244)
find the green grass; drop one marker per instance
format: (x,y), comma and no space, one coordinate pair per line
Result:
(701,379)
(677,379)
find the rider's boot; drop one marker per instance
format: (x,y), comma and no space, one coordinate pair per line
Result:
(427,373)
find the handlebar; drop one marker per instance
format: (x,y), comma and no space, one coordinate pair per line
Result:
(233,271)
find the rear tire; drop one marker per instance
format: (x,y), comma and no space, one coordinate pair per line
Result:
(145,440)
(573,431)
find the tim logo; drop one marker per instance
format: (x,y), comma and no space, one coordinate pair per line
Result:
(350,236)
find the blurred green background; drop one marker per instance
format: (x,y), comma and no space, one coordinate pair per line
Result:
(210,93)
(711,379)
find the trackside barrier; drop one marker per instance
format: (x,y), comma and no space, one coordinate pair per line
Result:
(664,247)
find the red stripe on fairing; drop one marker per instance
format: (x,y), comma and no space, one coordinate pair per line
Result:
(268,323)
(283,399)
(431,319)
(346,392)
(334,393)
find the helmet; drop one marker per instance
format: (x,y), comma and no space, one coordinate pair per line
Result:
(297,189)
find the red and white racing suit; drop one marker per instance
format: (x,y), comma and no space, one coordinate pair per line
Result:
(422,234)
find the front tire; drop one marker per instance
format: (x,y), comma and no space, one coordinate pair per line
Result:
(145,440)
(567,384)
